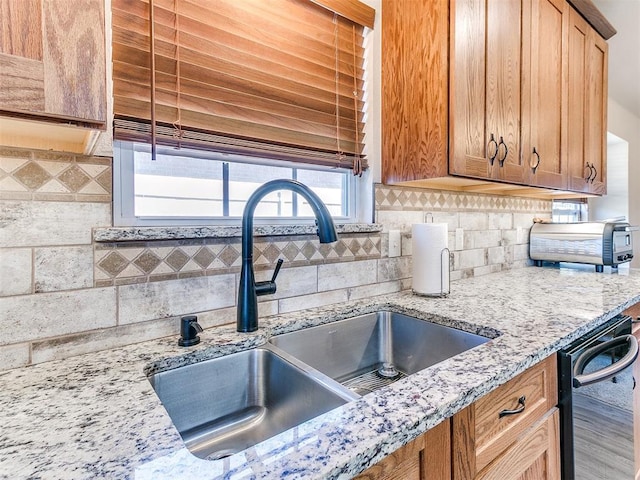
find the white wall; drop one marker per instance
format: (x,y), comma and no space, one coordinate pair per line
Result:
(616,202)
(625,125)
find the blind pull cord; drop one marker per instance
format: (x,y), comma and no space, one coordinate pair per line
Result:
(339,152)
(152,67)
(357,161)
(178,123)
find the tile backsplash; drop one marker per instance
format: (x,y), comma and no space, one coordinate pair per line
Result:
(62,294)
(487,233)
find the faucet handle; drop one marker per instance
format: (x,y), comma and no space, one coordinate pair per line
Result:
(277,270)
(269,287)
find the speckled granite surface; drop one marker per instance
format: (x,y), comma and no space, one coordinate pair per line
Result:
(128,234)
(96,416)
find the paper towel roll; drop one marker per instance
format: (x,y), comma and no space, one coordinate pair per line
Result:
(430,265)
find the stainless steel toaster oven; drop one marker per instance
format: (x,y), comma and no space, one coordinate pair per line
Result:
(595,243)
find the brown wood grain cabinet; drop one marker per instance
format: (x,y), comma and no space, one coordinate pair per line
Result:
(52,60)
(497,107)
(479,443)
(587,124)
(545,94)
(523,445)
(426,458)
(486,89)
(414,82)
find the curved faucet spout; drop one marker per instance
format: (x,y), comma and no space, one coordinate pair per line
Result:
(247,318)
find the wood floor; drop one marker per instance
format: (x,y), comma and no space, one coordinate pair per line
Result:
(604,440)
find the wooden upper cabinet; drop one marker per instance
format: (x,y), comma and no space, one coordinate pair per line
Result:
(414,83)
(486,104)
(587,107)
(520,103)
(545,141)
(596,130)
(52,60)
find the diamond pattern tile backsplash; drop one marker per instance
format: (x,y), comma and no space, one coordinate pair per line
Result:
(139,262)
(40,175)
(407,198)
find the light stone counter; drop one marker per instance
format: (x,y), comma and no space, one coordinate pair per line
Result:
(96,415)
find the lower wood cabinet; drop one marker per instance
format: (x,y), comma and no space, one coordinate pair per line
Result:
(534,456)
(428,457)
(513,433)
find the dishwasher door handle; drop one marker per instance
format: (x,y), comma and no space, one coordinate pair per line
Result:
(581,379)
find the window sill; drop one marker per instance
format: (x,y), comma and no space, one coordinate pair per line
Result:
(137,234)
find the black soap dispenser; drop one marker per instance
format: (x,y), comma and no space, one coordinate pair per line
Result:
(189,329)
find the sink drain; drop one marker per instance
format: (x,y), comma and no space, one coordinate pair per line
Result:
(387,370)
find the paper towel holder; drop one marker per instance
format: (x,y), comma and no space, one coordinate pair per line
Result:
(445,259)
(445,262)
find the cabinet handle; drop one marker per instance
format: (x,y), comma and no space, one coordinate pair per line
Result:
(535,167)
(495,153)
(588,177)
(595,173)
(516,411)
(506,152)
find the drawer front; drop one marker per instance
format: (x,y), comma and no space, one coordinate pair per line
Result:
(535,455)
(493,432)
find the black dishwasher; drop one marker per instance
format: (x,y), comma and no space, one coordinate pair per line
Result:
(595,399)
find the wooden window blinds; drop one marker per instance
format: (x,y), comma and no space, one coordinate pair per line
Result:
(279,79)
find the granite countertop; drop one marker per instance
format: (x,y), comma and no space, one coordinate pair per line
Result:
(96,415)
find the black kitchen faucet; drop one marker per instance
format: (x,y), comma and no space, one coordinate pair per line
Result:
(247,320)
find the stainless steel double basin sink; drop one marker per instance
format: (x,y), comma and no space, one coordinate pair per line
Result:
(227,404)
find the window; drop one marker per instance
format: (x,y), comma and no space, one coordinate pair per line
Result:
(568,211)
(192,187)
(213,98)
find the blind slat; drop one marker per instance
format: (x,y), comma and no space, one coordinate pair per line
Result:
(278,98)
(276,76)
(136,131)
(216,110)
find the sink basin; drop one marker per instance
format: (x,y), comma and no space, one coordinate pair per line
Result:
(371,351)
(227,404)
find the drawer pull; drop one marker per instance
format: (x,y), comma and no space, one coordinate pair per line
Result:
(520,409)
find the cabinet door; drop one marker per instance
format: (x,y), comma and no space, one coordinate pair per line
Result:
(414,89)
(428,457)
(468,134)
(504,85)
(586,128)
(596,118)
(545,144)
(52,59)
(535,456)
(486,89)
